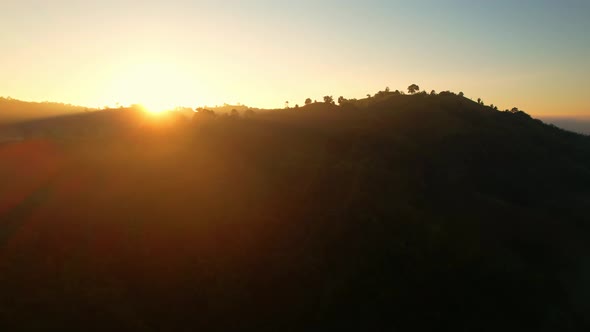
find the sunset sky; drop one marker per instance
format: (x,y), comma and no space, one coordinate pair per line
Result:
(533,54)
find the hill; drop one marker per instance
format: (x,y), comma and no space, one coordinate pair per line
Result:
(13,110)
(395,212)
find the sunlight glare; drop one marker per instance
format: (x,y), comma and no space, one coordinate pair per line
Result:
(158,86)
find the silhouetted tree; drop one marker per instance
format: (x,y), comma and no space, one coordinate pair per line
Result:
(382,93)
(341,100)
(413,89)
(386,89)
(203,115)
(461,94)
(249,113)
(329,100)
(307,101)
(432,93)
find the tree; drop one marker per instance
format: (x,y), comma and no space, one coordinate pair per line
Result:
(461,94)
(203,115)
(514,110)
(382,93)
(287,104)
(341,100)
(368,95)
(307,101)
(249,113)
(432,93)
(413,89)
(479,101)
(329,100)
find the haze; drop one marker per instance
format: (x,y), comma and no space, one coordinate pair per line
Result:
(529,54)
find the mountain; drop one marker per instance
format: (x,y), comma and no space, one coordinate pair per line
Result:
(395,212)
(578,125)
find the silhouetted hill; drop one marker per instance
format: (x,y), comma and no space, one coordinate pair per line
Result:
(395,212)
(13,110)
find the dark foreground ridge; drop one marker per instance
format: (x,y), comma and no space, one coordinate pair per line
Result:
(396,212)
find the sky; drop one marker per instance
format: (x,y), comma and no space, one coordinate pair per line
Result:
(530,54)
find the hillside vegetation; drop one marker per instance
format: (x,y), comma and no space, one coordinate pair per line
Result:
(395,212)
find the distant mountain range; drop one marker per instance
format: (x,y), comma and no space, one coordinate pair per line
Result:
(577,125)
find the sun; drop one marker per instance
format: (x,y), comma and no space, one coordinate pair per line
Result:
(155,108)
(157,86)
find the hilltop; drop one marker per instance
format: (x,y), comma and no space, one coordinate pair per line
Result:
(396,212)
(14,110)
